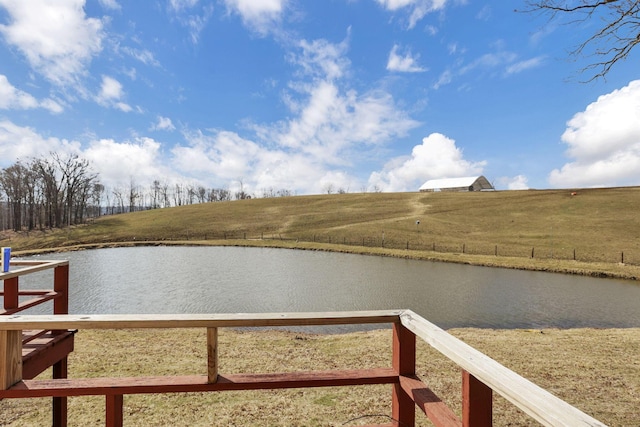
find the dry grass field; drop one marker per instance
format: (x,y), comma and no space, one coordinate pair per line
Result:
(596,370)
(599,227)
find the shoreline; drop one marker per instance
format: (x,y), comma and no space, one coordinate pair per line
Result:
(590,269)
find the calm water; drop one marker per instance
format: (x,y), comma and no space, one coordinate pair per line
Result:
(229,280)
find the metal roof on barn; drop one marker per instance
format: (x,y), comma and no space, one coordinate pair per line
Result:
(468,183)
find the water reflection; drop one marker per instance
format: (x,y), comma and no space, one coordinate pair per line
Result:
(230,279)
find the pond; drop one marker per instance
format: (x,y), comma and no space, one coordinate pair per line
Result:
(236,279)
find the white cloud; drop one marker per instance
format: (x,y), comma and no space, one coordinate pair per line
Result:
(604,142)
(405,63)
(163,123)
(445,78)
(117,162)
(527,64)
(331,121)
(225,154)
(224,159)
(194,18)
(51,105)
(419,8)
(111,94)
(56,37)
(111,89)
(519,182)
(17,142)
(143,55)
(498,62)
(330,129)
(178,5)
(110,4)
(488,61)
(322,59)
(13,98)
(259,15)
(437,157)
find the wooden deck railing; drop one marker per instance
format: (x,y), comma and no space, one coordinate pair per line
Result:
(481,376)
(36,350)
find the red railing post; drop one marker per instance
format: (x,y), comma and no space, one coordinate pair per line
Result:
(477,402)
(114,415)
(61,286)
(11,299)
(404,363)
(59,405)
(60,306)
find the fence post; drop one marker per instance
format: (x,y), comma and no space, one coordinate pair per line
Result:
(622,257)
(477,402)
(403,408)
(464,248)
(496,251)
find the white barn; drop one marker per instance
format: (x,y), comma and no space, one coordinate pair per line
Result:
(469,183)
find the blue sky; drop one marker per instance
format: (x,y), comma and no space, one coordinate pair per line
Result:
(311,96)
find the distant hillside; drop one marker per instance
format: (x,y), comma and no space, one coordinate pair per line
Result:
(595,224)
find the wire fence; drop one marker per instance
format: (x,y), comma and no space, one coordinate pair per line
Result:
(629,257)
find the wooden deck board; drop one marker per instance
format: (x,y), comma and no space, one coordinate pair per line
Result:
(43,349)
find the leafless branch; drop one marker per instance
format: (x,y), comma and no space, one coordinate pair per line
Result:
(615,37)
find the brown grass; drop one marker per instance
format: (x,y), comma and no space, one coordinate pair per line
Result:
(595,370)
(600,225)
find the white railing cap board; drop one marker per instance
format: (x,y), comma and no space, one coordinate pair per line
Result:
(232,320)
(27,267)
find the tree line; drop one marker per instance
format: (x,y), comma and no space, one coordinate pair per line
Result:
(59,191)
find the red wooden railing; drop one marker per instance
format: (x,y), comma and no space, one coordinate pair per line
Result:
(41,348)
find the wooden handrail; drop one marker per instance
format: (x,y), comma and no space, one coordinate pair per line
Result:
(535,401)
(27,267)
(171,321)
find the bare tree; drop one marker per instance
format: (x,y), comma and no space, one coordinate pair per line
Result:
(119,198)
(12,181)
(202,194)
(134,194)
(76,182)
(616,35)
(51,187)
(96,199)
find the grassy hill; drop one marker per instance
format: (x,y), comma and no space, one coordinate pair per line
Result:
(595,226)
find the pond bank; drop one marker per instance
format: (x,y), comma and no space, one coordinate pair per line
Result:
(604,270)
